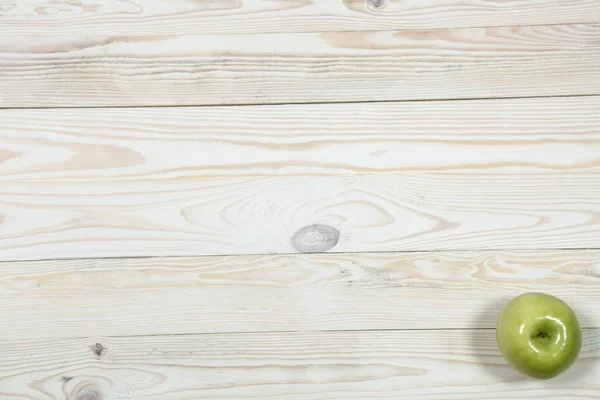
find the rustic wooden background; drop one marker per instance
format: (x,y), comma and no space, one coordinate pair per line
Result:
(293,199)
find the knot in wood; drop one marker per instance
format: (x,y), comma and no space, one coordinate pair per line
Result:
(98,349)
(315,238)
(89,393)
(376,3)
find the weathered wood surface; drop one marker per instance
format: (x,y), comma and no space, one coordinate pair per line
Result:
(78,71)
(445,290)
(373,212)
(483,176)
(524,135)
(223,17)
(413,365)
(244,180)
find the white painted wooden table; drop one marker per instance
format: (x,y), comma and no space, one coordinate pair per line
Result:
(293,200)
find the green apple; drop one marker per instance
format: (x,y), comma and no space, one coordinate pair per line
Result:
(539,335)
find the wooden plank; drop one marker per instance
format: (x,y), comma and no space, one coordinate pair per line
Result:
(413,365)
(372,212)
(119,297)
(177,17)
(245,180)
(497,135)
(62,71)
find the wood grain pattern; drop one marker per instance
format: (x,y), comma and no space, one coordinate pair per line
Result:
(459,290)
(176,17)
(413,365)
(372,212)
(476,175)
(495,135)
(245,180)
(62,71)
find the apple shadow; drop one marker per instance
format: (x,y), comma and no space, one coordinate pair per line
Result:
(483,344)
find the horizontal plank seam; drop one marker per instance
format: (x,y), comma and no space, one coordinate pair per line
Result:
(300,103)
(332,253)
(275,332)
